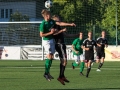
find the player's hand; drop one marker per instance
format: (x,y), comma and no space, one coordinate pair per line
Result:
(82,47)
(87,49)
(76,52)
(99,45)
(64,29)
(72,24)
(52,31)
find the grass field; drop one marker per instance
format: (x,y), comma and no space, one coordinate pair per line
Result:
(28,75)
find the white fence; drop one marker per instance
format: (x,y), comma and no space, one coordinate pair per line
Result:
(28,52)
(35,52)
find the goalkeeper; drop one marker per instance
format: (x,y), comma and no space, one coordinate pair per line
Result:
(78,53)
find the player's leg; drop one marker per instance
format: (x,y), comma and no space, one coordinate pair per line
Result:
(86,62)
(88,68)
(77,61)
(52,45)
(102,60)
(90,57)
(82,64)
(64,63)
(98,59)
(49,57)
(62,68)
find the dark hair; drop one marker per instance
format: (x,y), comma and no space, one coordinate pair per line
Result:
(55,16)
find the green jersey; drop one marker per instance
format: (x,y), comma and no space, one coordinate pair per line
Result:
(45,27)
(77,46)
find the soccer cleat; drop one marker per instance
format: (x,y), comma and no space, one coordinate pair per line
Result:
(51,77)
(81,74)
(64,79)
(61,81)
(47,77)
(73,67)
(98,70)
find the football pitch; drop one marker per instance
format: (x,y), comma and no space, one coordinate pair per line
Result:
(28,75)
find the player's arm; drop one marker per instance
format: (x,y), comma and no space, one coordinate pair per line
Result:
(106,43)
(97,42)
(42,30)
(73,49)
(47,34)
(83,45)
(60,31)
(74,43)
(65,24)
(95,45)
(84,48)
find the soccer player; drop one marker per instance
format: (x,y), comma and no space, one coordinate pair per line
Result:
(47,31)
(77,49)
(89,51)
(101,44)
(61,47)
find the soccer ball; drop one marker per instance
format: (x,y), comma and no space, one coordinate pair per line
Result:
(48,4)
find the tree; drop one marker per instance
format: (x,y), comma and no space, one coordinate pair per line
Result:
(89,14)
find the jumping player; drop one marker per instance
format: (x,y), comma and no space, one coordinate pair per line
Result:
(47,29)
(61,47)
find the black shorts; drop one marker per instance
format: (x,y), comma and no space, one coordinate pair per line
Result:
(89,55)
(61,49)
(100,54)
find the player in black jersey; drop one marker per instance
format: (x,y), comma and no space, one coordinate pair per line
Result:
(88,46)
(101,44)
(61,47)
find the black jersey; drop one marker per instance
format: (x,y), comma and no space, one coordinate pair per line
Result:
(102,42)
(59,38)
(89,44)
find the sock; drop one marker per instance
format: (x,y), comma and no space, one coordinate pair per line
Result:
(82,66)
(47,66)
(100,65)
(60,71)
(88,70)
(75,64)
(50,63)
(63,70)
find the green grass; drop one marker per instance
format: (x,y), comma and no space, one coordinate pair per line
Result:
(28,75)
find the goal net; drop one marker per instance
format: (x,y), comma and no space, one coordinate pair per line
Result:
(20,20)
(20,40)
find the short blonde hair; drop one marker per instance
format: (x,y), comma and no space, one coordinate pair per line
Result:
(45,12)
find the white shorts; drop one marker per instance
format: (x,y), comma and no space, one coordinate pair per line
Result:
(79,58)
(49,46)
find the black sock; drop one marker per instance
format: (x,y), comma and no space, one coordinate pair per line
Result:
(63,70)
(60,71)
(100,65)
(88,70)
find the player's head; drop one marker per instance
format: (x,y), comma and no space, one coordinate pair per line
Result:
(103,33)
(81,35)
(46,14)
(90,34)
(56,18)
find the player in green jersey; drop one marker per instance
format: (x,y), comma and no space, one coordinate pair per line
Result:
(47,29)
(77,49)
(46,32)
